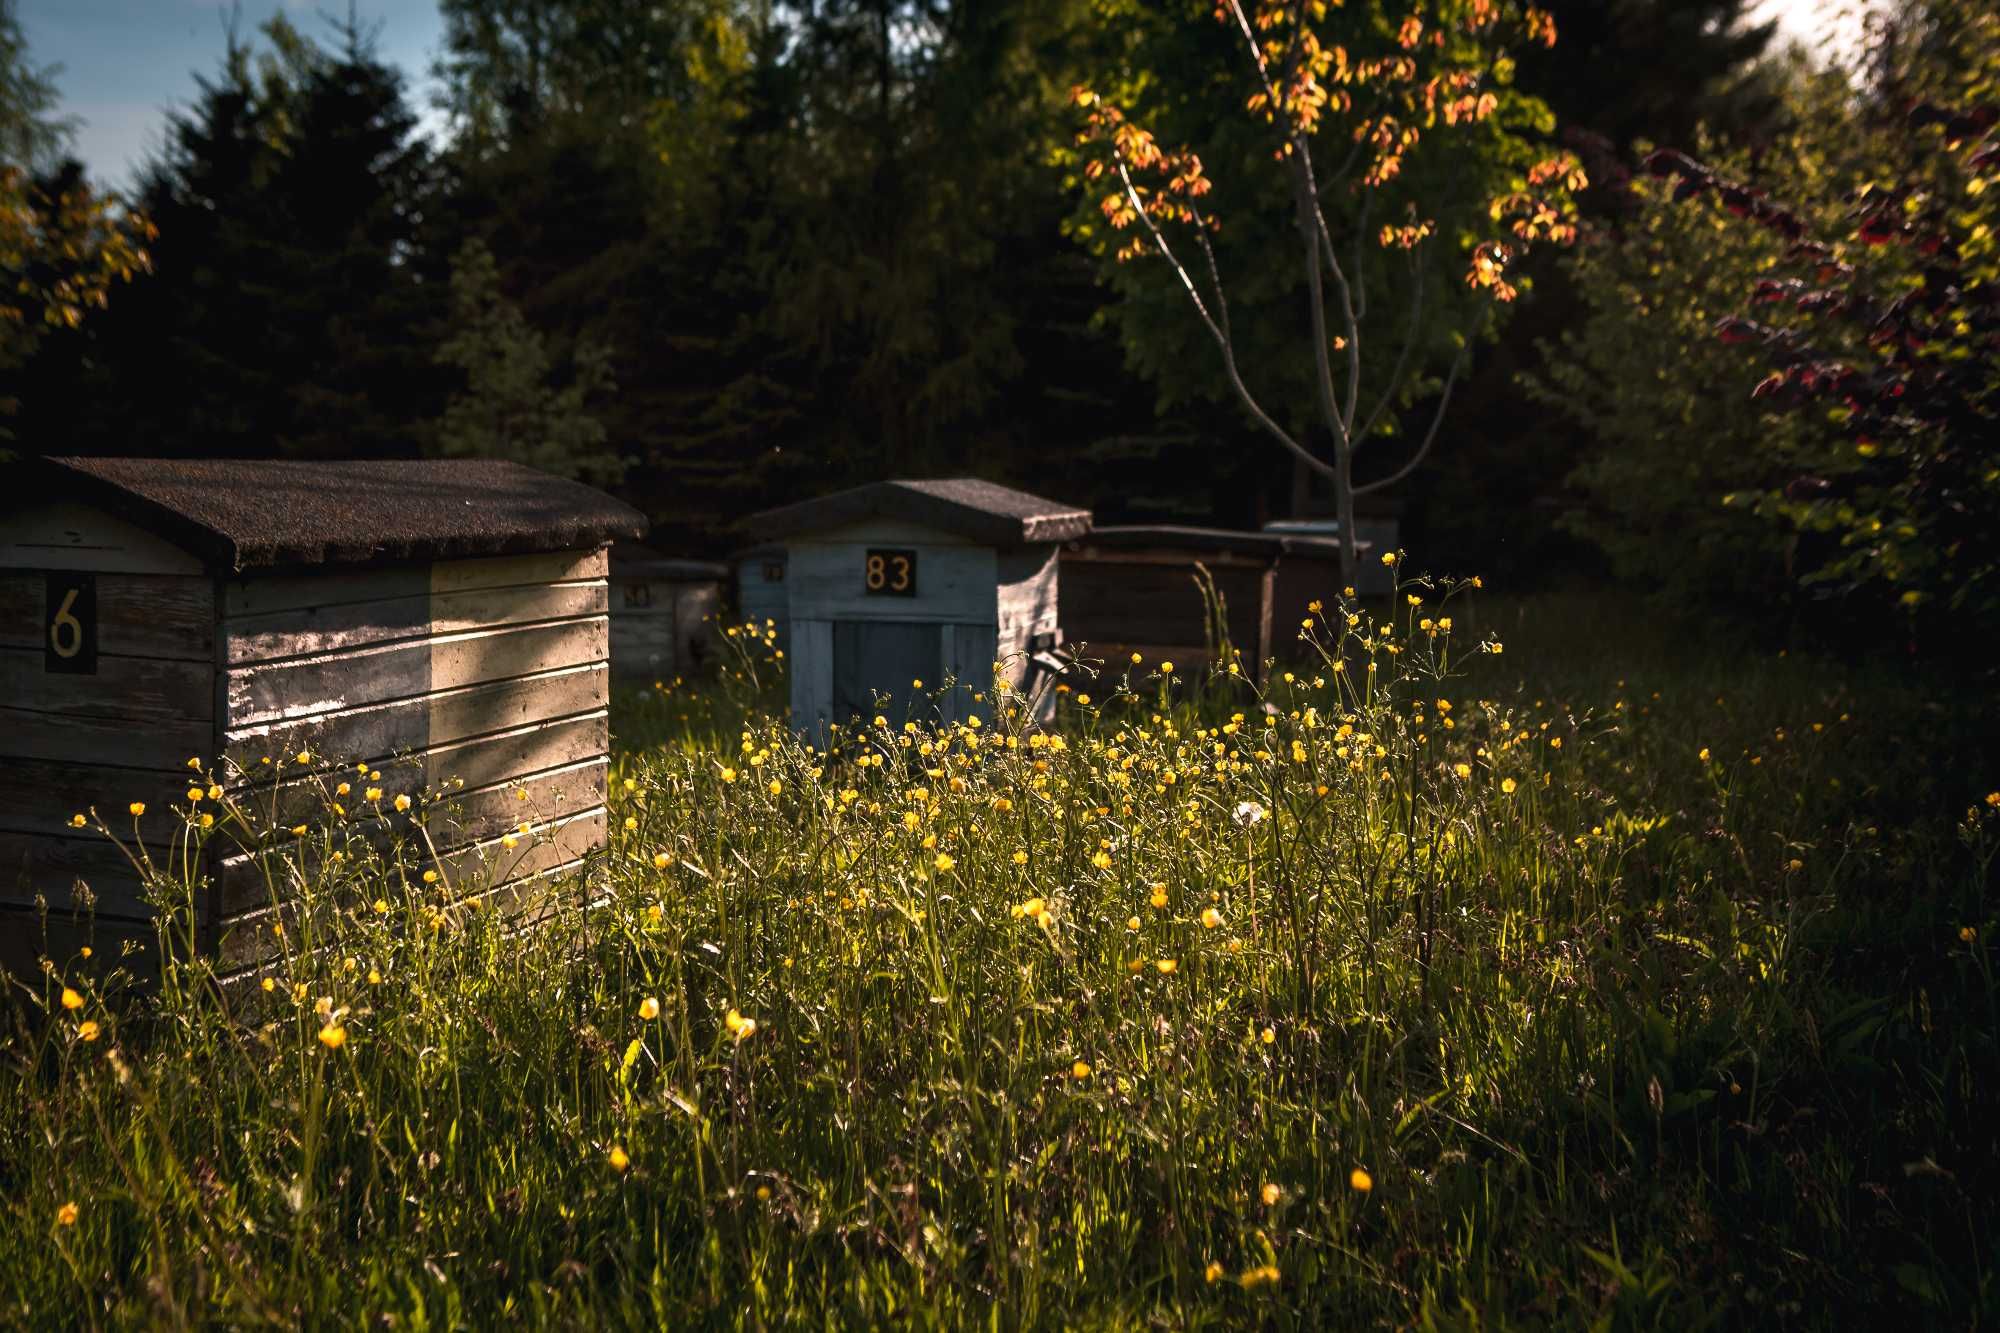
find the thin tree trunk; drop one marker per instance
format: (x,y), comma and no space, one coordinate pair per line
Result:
(1343,451)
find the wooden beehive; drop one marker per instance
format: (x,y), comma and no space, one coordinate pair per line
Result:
(444,620)
(761,595)
(905,581)
(1136,588)
(664,612)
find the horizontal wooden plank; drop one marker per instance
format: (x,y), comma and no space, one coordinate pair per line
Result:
(1177,556)
(485,761)
(1117,657)
(258,595)
(66,535)
(39,796)
(26,939)
(1131,603)
(458,820)
(309,686)
(133,689)
(318,630)
(953,584)
(163,743)
(1300,583)
(506,571)
(379,732)
(476,871)
(138,615)
(523,904)
(49,865)
(646,647)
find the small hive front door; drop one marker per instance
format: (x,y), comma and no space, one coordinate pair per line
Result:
(884,657)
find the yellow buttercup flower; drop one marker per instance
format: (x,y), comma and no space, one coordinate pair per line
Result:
(333,1036)
(77,821)
(402,802)
(70,999)
(67,1214)
(1507,785)
(944,861)
(1210,918)
(1167,967)
(137,808)
(1272,1193)
(88,1029)
(1361,1180)
(618,1158)
(1081,1069)
(649,1008)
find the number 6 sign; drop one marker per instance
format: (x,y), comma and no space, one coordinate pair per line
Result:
(69,624)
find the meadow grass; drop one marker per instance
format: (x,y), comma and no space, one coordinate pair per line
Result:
(1616,978)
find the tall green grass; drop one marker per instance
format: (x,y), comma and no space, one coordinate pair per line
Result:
(1611,979)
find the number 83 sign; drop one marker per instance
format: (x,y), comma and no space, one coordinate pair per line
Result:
(69,624)
(890,574)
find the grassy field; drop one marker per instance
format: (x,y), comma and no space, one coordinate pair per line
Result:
(1627,977)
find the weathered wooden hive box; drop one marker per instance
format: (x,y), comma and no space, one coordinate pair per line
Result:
(905,581)
(664,612)
(443,620)
(761,595)
(1137,588)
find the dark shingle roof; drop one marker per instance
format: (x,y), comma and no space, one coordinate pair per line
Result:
(248,514)
(991,514)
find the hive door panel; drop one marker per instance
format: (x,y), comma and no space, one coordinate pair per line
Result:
(871,657)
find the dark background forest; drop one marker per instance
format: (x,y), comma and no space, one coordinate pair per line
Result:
(720,254)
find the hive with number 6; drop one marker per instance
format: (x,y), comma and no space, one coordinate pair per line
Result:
(442,621)
(895,588)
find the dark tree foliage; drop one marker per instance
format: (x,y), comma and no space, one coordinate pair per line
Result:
(1623,72)
(1884,317)
(810,243)
(1654,69)
(286,311)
